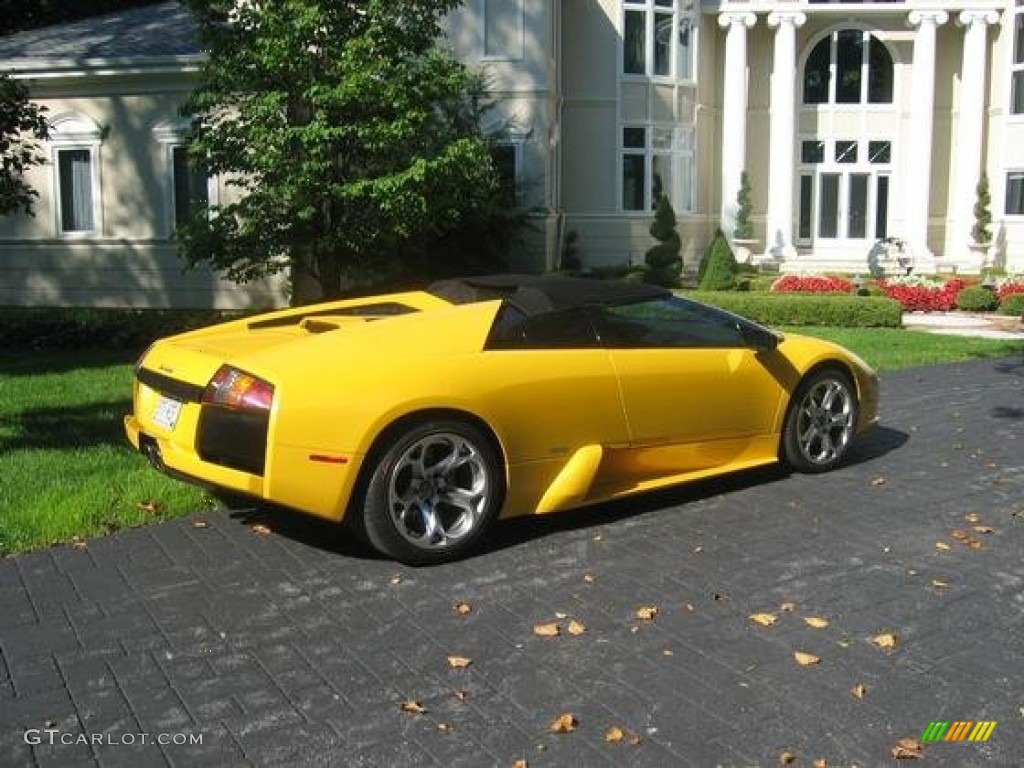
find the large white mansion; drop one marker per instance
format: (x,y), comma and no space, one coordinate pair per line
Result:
(854,122)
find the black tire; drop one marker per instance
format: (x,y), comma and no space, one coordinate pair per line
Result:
(433,492)
(821,421)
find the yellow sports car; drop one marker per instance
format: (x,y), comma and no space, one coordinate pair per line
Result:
(419,418)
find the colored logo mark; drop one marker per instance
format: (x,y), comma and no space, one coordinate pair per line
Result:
(960,730)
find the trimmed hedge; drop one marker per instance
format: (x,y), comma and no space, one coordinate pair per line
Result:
(974,298)
(1013,304)
(807,309)
(130,330)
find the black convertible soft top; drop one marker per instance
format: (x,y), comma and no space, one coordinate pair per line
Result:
(537,294)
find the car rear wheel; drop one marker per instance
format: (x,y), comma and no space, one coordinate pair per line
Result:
(434,490)
(821,421)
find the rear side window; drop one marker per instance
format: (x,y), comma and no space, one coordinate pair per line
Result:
(670,323)
(565,329)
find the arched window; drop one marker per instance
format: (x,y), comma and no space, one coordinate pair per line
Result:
(75,140)
(849,66)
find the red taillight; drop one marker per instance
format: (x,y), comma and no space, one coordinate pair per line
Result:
(238,389)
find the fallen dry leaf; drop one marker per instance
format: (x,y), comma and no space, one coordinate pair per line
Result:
(721,597)
(885,640)
(459,662)
(260,528)
(564,723)
(805,659)
(547,630)
(668,652)
(764,619)
(820,763)
(576,628)
(786,757)
(614,735)
(520,764)
(974,544)
(938,584)
(787,607)
(972,517)
(79,543)
(942,546)
(396,579)
(859,691)
(815,621)
(646,612)
(983,529)
(908,749)
(878,481)
(588,578)
(152,507)
(689,607)
(445,727)
(412,707)
(461,695)
(561,615)
(200,524)
(698,550)
(960,535)
(462,608)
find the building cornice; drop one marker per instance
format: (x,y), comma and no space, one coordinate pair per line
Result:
(56,69)
(889,8)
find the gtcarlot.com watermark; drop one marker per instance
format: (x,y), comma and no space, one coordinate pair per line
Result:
(51,736)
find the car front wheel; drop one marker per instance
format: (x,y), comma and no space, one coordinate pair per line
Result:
(433,492)
(821,422)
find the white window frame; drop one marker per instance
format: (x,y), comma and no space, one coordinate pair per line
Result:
(680,194)
(172,135)
(832,35)
(1016,13)
(71,131)
(520,10)
(683,17)
(1019,172)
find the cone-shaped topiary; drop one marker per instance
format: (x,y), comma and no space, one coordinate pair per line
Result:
(744,229)
(982,213)
(718,268)
(664,264)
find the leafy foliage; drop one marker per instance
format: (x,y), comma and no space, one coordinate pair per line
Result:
(980,232)
(21,124)
(974,298)
(1013,304)
(352,139)
(664,264)
(808,309)
(744,229)
(718,268)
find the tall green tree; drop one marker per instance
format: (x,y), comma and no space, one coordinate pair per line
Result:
(351,137)
(21,125)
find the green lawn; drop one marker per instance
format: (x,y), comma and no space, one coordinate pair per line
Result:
(66,469)
(891,348)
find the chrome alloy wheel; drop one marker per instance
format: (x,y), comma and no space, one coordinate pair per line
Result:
(438,490)
(825,420)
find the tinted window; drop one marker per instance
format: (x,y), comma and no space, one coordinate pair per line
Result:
(666,323)
(565,329)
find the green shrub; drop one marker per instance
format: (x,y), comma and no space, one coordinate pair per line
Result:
(974,298)
(1012,305)
(664,265)
(718,268)
(808,309)
(88,328)
(744,229)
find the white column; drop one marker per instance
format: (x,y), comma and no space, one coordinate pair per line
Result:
(969,124)
(919,156)
(734,112)
(779,234)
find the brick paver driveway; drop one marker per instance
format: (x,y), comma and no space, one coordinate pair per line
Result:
(294,648)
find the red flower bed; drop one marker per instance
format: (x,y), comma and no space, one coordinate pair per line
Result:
(924,298)
(796,284)
(1008,289)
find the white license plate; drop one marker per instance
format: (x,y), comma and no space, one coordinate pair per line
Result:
(167,412)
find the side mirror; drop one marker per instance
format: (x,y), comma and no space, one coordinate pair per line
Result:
(758,338)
